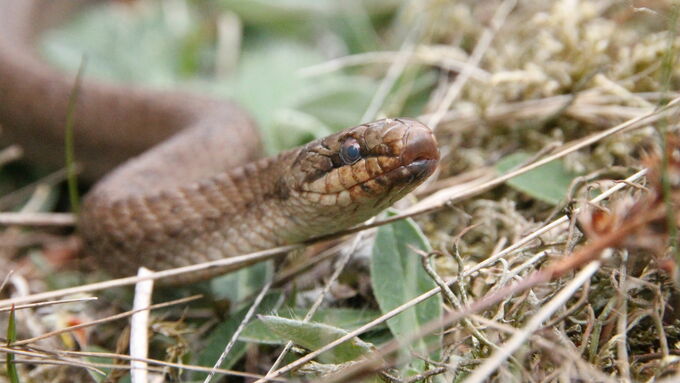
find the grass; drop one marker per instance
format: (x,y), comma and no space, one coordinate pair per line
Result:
(530,292)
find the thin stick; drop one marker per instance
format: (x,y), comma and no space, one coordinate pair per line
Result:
(487,262)
(48,303)
(622,323)
(339,267)
(396,69)
(505,350)
(237,333)
(150,361)
(17,195)
(426,55)
(485,39)
(70,361)
(578,259)
(104,320)
(139,327)
(421,208)
(37,219)
(232,263)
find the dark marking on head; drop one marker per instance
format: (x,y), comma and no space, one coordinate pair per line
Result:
(281,190)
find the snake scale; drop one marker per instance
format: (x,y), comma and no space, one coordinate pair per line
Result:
(183,181)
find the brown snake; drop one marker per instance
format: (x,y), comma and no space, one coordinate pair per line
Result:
(201,194)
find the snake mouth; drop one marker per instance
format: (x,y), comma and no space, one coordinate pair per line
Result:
(422,167)
(421,153)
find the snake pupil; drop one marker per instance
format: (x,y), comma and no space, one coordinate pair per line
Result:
(350,151)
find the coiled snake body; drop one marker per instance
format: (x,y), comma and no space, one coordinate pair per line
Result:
(201,194)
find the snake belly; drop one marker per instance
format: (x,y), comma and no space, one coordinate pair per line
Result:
(182,182)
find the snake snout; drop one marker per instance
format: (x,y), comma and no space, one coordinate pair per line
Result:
(421,153)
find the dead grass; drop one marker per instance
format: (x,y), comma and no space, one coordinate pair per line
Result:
(590,295)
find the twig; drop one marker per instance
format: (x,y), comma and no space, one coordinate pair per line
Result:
(37,219)
(153,361)
(139,327)
(51,179)
(549,345)
(398,310)
(70,361)
(237,333)
(88,366)
(48,303)
(396,68)
(503,352)
(232,262)
(423,55)
(423,207)
(339,267)
(104,320)
(581,257)
(485,39)
(450,297)
(622,322)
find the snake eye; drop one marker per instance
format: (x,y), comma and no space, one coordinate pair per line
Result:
(350,151)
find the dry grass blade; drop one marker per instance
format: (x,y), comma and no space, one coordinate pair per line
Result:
(239,329)
(425,207)
(424,55)
(48,359)
(580,87)
(11,199)
(485,39)
(139,327)
(489,261)
(104,320)
(189,367)
(339,267)
(49,303)
(37,219)
(395,70)
(235,262)
(505,350)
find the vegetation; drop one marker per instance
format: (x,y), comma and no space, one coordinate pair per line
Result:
(566,272)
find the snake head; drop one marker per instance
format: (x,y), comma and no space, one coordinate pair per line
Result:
(354,174)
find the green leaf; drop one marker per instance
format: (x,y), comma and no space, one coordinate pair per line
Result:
(337,100)
(140,45)
(348,319)
(221,335)
(293,128)
(313,336)
(548,183)
(263,87)
(397,277)
(241,284)
(98,359)
(11,338)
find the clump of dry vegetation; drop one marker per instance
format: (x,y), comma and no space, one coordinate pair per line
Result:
(567,272)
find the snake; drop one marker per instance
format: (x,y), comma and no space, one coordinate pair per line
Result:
(180,176)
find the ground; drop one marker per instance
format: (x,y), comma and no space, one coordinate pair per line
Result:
(571,268)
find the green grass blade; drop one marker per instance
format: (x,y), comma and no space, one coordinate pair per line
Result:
(11,338)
